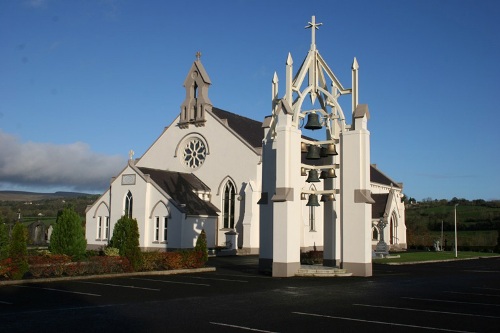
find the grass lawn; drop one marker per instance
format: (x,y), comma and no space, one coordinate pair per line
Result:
(407,257)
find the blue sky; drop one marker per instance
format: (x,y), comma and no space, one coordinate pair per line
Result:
(83,82)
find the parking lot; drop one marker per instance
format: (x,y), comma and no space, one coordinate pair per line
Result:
(459,296)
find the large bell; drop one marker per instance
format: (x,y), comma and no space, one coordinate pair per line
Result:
(313,122)
(331,150)
(330,173)
(313,176)
(313,152)
(303,147)
(313,200)
(328,197)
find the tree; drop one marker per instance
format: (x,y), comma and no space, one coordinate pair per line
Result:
(18,251)
(126,240)
(201,245)
(68,235)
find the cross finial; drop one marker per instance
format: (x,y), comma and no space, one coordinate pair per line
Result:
(198,55)
(131,154)
(314,26)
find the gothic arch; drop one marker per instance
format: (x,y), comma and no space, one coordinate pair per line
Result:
(128,204)
(155,205)
(222,184)
(393,228)
(98,206)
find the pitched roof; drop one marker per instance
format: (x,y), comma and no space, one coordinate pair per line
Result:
(181,187)
(250,130)
(378,208)
(377,176)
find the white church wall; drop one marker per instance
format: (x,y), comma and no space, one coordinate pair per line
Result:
(227,158)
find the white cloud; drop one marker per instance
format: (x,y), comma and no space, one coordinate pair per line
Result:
(73,166)
(36,3)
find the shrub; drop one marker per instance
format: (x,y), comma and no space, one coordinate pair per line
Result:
(111,251)
(18,251)
(201,246)
(126,239)
(68,235)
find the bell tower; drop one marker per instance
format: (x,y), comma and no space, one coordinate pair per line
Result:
(196,102)
(311,102)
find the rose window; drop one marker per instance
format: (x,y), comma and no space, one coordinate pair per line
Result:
(194,153)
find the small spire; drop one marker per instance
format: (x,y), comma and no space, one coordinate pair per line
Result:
(355,65)
(275,77)
(198,56)
(289,60)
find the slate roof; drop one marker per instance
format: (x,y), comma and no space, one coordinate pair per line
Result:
(377,176)
(378,208)
(250,130)
(180,187)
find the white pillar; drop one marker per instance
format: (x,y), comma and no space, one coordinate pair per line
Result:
(356,200)
(286,199)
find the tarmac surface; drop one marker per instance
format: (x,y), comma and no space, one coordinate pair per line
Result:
(458,296)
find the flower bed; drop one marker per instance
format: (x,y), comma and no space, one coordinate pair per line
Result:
(46,265)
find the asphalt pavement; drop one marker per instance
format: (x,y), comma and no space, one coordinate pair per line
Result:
(459,296)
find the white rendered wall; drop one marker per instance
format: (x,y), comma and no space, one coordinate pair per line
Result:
(355,217)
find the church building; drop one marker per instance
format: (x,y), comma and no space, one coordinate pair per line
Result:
(206,171)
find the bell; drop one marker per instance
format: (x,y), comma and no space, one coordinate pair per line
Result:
(303,171)
(313,152)
(328,197)
(331,150)
(323,152)
(313,176)
(302,196)
(323,174)
(330,173)
(313,200)
(313,122)
(303,147)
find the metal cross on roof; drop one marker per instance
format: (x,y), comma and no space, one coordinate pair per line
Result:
(314,26)
(198,55)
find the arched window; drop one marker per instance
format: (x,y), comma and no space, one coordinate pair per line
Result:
(228,205)
(129,202)
(374,233)
(394,228)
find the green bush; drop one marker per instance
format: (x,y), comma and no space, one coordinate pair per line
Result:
(126,240)
(201,246)
(18,251)
(68,235)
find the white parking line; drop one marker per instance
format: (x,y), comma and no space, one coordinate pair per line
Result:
(60,290)
(486,288)
(241,327)
(379,322)
(202,278)
(474,294)
(118,285)
(177,282)
(447,301)
(430,311)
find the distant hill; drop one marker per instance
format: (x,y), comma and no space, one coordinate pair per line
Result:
(34,196)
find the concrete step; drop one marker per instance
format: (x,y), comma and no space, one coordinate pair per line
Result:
(321,271)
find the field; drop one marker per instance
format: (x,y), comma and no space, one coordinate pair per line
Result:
(411,257)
